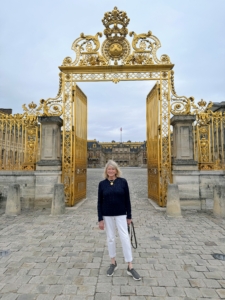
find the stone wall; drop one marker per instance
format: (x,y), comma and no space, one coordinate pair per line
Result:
(196,187)
(36,187)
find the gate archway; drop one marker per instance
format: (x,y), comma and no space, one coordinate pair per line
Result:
(116,59)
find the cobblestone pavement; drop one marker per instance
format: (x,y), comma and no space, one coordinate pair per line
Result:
(65,257)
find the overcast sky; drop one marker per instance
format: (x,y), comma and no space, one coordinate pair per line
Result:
(36,35)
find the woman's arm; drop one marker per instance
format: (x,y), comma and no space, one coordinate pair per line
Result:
(100,200)
(127,201)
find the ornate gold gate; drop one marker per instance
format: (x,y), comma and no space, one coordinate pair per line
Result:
(153,143)
(74,161)
(158,143)
(118,60)
(80,144)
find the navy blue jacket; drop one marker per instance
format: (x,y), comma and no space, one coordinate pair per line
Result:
(113,200)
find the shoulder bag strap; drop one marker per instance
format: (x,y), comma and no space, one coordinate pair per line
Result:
(132,235)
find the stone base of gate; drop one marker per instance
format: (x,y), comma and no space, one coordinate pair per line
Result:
(36,187)
(196,187)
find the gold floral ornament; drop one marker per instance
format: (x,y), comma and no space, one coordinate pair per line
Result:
(115,80)
(116,49)
(50,107)
(145,46)
(86,48)
(182,105)
(31,114)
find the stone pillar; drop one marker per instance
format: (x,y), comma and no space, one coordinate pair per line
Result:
(13,205)
(50,144)
(58,201)
(173,201)
(184,168)
(183,153)
(219,201)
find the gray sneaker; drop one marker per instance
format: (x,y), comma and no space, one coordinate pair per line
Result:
(133,273)
(111,269)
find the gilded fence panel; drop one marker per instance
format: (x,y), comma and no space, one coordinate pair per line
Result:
(154,144)
(19,142)
(208,130)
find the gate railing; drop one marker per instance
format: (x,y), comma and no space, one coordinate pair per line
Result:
(209,140)
(20,134)
(19,142)
(208,130)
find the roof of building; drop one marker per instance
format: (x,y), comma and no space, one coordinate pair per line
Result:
(7,111)
(218,106)
(108,147)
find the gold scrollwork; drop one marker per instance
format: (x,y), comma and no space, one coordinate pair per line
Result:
(116,49)
(145,46)
(182,105)
(45,108)
(49,107)
(86,49)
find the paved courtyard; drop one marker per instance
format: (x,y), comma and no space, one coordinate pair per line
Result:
(65,257)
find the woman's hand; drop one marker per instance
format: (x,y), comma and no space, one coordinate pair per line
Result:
(101,225)
(129,221)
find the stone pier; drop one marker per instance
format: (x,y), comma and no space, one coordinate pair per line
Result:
(13,205)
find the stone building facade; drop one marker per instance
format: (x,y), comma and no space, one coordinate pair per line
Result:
(126,154)
(7,111)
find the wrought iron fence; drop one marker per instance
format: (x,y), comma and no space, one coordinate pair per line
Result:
(18,141)
(20,134)
(208,130)
(209,140)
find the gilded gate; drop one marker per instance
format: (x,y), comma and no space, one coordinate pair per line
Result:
(208,129)
(117,59)
(80,144)
(74,143)
(19,147)
(158,144)
(153,143)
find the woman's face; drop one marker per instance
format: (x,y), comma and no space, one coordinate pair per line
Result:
(111,171)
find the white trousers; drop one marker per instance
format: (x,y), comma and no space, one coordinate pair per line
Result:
(121,223)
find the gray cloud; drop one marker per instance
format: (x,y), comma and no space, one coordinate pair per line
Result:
(36,35)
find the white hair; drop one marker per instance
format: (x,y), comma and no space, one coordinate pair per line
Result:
(112,163)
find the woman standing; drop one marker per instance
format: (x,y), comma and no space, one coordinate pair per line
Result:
(114,210)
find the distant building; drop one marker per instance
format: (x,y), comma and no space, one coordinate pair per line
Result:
(218,106)
(126,154)
(11,142)
(7,111)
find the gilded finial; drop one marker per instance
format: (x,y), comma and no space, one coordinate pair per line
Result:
(32,105)
(202,103)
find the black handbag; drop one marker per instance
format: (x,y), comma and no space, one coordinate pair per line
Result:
(132,234)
